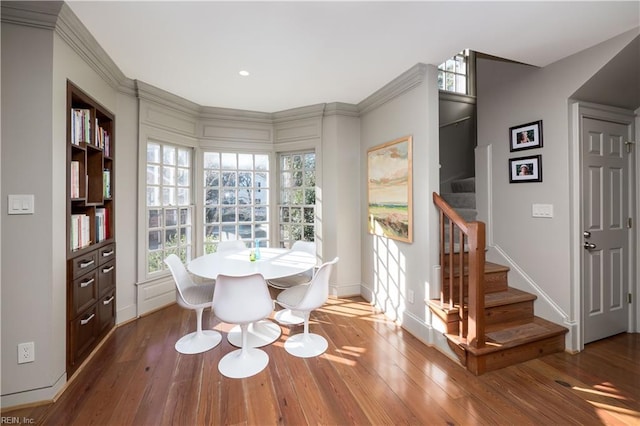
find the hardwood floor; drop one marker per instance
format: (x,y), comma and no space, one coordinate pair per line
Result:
(374,373)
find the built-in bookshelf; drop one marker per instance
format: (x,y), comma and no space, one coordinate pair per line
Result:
(91,262)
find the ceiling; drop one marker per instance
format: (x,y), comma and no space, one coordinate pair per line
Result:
(303,53)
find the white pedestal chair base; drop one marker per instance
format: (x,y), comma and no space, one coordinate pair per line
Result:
(306,345)
(198,342)
(289,317)
(243,363)
(261,333)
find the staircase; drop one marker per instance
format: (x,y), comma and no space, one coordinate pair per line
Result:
(463,198)
(488,324)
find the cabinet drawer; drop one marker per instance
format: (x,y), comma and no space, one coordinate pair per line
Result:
(83,264)
(107,311)
(106,277)
(84,332)
(107,253)
(85,292)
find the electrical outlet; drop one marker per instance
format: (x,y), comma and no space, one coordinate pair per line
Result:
(26,352)
(410,296)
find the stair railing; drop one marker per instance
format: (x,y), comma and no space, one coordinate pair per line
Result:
(471,235)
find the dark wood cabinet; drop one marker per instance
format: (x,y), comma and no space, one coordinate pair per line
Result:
(91,248)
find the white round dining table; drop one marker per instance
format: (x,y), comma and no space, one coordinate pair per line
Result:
(273,263)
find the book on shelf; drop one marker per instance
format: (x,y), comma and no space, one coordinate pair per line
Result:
(75,179)
(102,139)
(106,183)
(80,125)
(80,231)
(102,224)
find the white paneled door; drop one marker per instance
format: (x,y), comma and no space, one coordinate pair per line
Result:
(606,233)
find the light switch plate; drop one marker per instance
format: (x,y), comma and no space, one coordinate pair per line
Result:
(542,210)
(20,204)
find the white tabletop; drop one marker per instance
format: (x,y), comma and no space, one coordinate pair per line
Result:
(273,263)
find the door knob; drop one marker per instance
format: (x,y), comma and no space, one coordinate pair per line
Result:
(589,246)
(586,234)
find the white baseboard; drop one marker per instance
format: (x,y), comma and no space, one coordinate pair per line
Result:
(154,295)
(417,327)
(34,397)
(126,314)
(345,290)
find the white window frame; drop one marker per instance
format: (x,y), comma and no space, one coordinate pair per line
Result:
(183,248)
(285,208)
(260,200)
(451,67)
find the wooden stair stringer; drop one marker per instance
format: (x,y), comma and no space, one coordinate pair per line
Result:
(511,344)
(513,333)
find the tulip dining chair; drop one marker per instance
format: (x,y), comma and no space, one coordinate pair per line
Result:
(260,333)
(198,298)
(304,277)
(242,300)
(305,298)
(230,246)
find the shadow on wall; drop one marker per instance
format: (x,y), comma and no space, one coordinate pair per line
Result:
(390,278)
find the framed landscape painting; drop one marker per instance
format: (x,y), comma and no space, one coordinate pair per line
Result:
(389,190)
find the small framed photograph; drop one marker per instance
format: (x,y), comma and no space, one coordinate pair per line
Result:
(525,169)
(526,136)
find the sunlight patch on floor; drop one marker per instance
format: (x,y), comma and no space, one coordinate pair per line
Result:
(610,403)
(338,359)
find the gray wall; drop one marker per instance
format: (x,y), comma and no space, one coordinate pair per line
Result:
(34,147)
(339,196)
(538,250)
(31,280)
(457,116)
(33,161)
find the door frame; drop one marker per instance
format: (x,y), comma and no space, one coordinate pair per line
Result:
(579,111)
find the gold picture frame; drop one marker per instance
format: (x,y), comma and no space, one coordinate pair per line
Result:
(389,190)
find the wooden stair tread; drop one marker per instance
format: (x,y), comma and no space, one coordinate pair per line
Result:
(510,335)
(489,268)
(511,295)
(507,297)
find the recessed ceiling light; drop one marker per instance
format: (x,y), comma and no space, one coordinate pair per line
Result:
(244,73)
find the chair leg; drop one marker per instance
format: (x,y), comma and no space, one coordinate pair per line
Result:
(305,344)
(259,333)
(200,340)
(289,317)
(243,362)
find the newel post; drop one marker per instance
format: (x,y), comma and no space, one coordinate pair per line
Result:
(476,325)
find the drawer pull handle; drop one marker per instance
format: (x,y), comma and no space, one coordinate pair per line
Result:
(107,253)
(109,269)
(86,264)
(106,302)
(86,321)
(86,283)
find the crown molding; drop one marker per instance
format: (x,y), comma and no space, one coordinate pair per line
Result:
(76,35)
(58,17)
(310,111)
(147,92)
(37,14)
(340,108)
(220,113)
(407,80)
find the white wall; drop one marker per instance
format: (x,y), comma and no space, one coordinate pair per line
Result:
(538,250)
(391,269)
